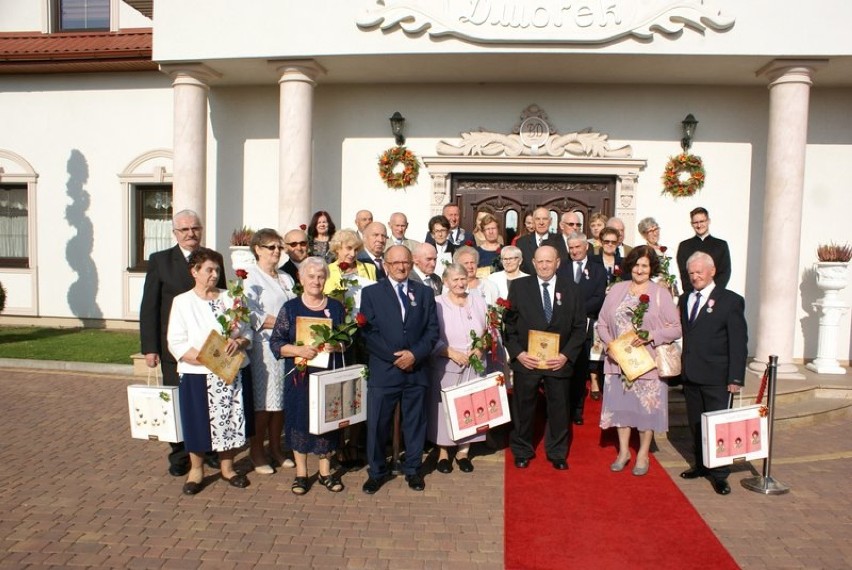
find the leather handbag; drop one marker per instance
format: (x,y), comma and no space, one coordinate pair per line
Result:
(668,360)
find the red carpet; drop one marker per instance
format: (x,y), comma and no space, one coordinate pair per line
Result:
(591,518)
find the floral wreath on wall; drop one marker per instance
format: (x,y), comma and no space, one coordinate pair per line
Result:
(399,167)
(674,182)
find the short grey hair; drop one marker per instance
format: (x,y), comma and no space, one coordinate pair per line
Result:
(185,214)
(453,267)
(701,256)
(578,236)
(466,250)
(511,251)
(315,262)
(646,224)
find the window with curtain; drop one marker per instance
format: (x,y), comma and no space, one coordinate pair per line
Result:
(152,221)
(83,14)
(14,226)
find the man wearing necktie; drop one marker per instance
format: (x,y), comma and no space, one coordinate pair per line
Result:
(401,331)
(550,303)
(375,239)
(715,342)
(425,260)
(590,277)
(530,242)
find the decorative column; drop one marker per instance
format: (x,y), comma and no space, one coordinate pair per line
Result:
(295,136)
(789,92)
(189,180)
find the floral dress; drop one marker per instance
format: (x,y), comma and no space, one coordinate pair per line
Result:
(643,406)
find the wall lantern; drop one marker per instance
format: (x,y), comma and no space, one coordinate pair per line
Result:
(397,122)
(689,125)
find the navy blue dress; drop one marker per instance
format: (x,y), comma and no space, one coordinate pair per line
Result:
(296,411)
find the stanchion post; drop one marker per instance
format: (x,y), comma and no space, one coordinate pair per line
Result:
(765,483)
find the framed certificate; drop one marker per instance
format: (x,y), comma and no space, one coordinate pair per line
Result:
(212,355)
(337,398)
(737,434)
(633,360)
(543,345)
(306,336)
(476,406)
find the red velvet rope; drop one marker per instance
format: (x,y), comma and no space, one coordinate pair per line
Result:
(763,382)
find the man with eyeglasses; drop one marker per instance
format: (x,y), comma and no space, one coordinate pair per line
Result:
(401,332)
(569,223)
(167,277)
(703,241)
(375,239)
(296,248)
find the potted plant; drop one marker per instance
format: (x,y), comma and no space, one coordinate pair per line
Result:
(241,255)
(831,277)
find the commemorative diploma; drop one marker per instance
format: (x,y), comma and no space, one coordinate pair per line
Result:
(212,355)
(633,360)
(543,345)
(306,336)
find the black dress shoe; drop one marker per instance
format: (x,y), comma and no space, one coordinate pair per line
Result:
(522,463)
(371,486)
(721,486)
(560,464)
(178,470)
(212,460)
(190,488)
(239,481)
(465,465)
(416,482)
(444,466)
(693,473)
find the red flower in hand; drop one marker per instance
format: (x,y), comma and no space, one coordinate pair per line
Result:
(643,298)
(360,319)
(241,273)
(616,271)
(663,248)
(303,227)
(344,266)
(501,302)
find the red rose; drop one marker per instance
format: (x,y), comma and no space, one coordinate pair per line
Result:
(663,248)
(241,273)
(501,302)
(303,227)
(616,271)
(360,320)
(643,298)
(321,347)
(469,243)
(499,249)
(344,266)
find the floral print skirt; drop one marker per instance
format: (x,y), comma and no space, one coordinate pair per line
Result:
(212,413)
(644,406)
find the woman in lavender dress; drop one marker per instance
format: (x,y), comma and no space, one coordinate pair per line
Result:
(644,405)
(458,313)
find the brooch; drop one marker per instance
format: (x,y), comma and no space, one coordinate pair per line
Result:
(559,298)
(411,298)
(710,304)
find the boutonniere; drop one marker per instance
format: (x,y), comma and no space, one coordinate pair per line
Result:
(411,299)
(586,273)
(559,298)
(327,313)
(710,304)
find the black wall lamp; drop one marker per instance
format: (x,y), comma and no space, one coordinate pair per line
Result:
(689,125)
(397,122)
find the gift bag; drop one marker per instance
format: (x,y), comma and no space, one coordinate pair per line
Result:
(154,411)
(337,398)
(736,434)
(476,406)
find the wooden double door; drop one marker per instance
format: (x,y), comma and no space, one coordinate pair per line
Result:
(511,197)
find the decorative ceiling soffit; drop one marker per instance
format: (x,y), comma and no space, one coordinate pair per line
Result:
(544,21)
(534,136)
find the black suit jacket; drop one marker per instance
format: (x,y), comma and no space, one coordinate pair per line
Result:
(715,345)
(715,248)
(558,241)
(527,244)
(592,286)
(290,269)
(527,313)
(365,258)
(610,278)
(167,277)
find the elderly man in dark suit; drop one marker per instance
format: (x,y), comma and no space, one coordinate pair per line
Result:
(401,331)
(296,248)
(530,242)
(569,223)
(375,240)
(549,303)
(167,277)
(714,355)
(590,277)
(425,261)
(703,241)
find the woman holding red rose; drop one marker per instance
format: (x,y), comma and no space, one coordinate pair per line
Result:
(644,404)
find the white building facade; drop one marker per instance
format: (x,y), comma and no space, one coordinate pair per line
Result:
(261,113)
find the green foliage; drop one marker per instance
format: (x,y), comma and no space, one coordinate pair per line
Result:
(75,345)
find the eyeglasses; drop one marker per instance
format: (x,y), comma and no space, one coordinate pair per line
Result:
(699,222)
(572,224)
(194,229)
(653,229)
(297,244)
(398,263)
(273,247)
(609,242)
(508,258)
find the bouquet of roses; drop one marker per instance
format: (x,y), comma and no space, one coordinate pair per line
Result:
(238,312)
(494,318)
(481,343)
(665,269)
(638,315)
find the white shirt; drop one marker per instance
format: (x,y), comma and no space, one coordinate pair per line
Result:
(406,291)
(705,294)
(550,289)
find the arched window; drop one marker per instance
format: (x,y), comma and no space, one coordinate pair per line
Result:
(17,201)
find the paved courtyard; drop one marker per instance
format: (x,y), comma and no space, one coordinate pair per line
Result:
(78,491)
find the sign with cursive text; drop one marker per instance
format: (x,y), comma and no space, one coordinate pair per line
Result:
(544,21)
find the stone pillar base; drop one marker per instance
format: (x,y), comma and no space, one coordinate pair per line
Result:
(787,371)
(821,366)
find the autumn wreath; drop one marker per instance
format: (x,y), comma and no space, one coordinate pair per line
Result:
(673,179)
(398,167)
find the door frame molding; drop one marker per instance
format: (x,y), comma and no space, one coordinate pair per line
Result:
(625,170)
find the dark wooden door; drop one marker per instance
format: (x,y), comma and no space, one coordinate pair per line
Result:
(510,197)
